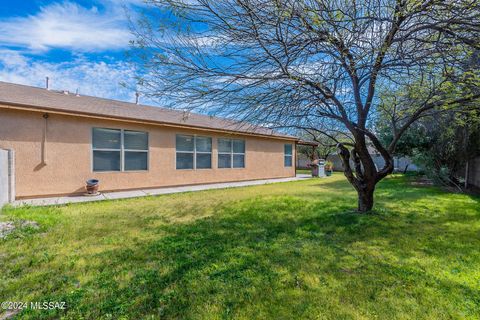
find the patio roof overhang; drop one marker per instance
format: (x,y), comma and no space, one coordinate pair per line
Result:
(307,143)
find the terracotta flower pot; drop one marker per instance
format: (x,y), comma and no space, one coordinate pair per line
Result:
(92,186)
(92,189)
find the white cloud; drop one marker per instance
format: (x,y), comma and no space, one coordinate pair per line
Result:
(99,79)
(69,26)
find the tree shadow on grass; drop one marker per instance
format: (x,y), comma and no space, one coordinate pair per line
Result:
(283,258)
(394,190)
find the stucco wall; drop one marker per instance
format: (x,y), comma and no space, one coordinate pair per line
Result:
(68,153)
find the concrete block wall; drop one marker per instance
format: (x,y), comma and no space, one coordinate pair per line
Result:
(11,175)
(474,172)
(7,176)
(4,179)
(400,163)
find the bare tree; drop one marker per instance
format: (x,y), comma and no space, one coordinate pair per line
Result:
(325,145)
(314,64)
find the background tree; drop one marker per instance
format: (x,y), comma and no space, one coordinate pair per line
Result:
(441,145)
(326,145)
(443,140)
(416,137)
(313,64)
(454,141)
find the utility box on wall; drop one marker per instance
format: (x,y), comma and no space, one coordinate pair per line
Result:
(7,176)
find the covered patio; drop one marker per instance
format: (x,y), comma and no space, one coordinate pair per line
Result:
(302,161)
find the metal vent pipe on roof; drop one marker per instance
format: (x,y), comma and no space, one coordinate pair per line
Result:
(137,97)
(46,83)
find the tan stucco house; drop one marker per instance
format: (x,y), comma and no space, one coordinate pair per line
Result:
(60,139)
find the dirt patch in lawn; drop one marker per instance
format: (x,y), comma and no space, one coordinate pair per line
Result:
(8,227)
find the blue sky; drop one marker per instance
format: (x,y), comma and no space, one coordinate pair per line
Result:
(78,44)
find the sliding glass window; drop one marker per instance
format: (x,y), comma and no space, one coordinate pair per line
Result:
(135,150)
(119,150)
(193,152)
(231,153)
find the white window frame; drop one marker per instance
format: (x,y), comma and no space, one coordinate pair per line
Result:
(122,150)
(231,153)
(194,152)
(134,150)
(285,155)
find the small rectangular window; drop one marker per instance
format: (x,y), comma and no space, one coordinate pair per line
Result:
(203,144)
(224,146)
(288,155)
(135,147)
(238,146)
(119,150)
(136,161)
(239,161)
(185,143)
(193,152)
(238,153)
(107,138)
(231,153)
(185,146)
(184,160)
(135,140)
(107,148)
(106,160)
(224,160)
(204,160)
(203,152)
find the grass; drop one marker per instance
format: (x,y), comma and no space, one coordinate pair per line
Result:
(282,251)
(304,171)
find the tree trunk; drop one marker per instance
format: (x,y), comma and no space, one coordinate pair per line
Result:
(365,176)
(365,199)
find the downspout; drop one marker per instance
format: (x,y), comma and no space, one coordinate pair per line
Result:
(44,141)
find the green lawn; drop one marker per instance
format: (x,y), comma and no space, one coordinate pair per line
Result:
(304,171)
(283,251)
